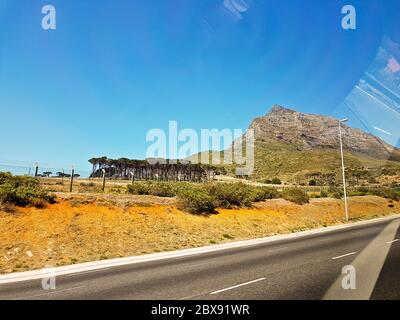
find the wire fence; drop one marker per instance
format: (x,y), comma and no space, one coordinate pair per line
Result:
(42,170)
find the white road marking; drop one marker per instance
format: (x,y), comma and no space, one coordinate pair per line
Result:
(198,264)
(390,242)
(50,292)
(325,239)
(278,249)
(344,255)
(237,286)
(84,272)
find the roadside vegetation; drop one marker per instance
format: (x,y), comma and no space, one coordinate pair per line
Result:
(196,198)
(296,195)
(205,198)
(22,191)
(87,227)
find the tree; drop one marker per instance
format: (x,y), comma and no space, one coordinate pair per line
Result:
(162,170)
(47,173)
(94,162)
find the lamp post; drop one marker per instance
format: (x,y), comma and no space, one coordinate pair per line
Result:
(343,171)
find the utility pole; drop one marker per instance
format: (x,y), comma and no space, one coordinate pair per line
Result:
(343,170)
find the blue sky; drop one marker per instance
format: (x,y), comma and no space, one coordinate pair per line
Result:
(112,70)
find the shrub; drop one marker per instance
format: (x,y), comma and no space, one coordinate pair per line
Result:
(139,188)
(276,181)
(295,195)
(160,189)
(264,193)
(386,193)
(232,194)
(196,200)
(336,192)
(363,190)
(324,194)
(358,192)
(23,191)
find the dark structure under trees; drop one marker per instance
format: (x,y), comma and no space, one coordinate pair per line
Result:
(153,169)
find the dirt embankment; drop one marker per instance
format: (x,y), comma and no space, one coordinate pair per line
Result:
(83,228)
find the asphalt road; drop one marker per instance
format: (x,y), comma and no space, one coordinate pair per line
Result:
(308,267)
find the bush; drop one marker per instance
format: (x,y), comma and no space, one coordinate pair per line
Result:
(162,189)
(196,200)
(205,197)
(324,194)
(264,193)
(295,195)
(159,189)
(336,192)
(276,181)
(23,191)
(232,194)
(138,188)
(363,190)
(391,194)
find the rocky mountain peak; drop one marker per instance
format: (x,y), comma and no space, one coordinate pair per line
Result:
(309,131)
(278,109)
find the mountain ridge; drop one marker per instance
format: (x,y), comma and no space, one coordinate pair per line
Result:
(293,146)
(311,131)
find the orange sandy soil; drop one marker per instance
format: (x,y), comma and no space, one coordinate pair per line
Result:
(86,228)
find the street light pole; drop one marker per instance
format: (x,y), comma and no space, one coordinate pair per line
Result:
(343,170)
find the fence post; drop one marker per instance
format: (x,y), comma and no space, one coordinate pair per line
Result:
(72,180)
(133,177)
(36,169)
(104,179)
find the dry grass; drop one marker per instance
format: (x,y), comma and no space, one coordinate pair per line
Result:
(86,228)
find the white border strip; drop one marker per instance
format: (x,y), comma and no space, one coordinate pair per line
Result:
(102,264)
(238,285)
